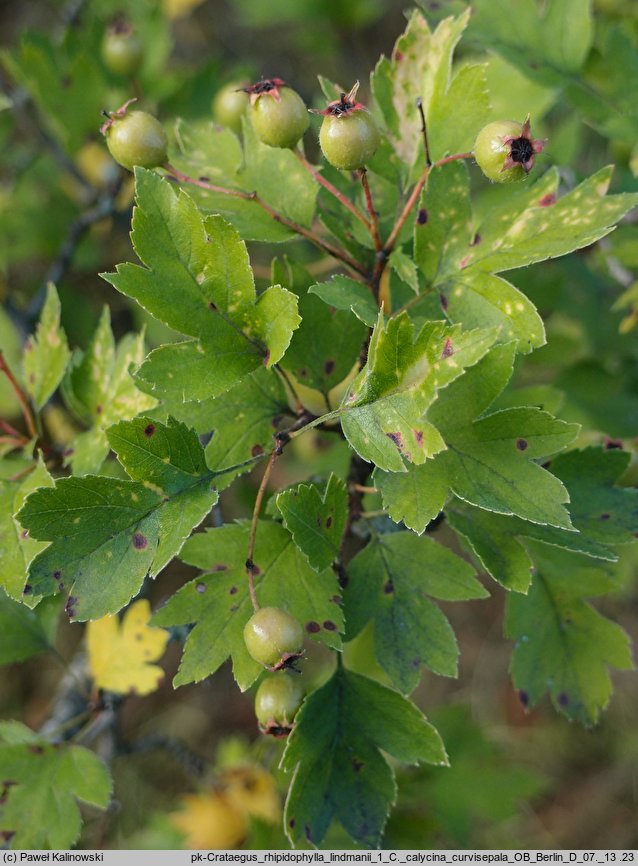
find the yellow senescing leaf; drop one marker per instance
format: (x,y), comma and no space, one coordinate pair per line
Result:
(120,654)
(210,820)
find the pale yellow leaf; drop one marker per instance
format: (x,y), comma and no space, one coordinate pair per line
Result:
(121,653)
(210,821)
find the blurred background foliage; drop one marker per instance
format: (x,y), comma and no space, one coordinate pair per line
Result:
(192,759)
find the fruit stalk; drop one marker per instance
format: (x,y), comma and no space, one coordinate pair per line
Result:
(374,220)
(344,200)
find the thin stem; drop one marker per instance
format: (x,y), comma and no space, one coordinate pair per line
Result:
(23,472)
(424,131)
(324,245)
(344,200)
(250,565)
(361,488)
(374,220)
(414,196)
(22,397)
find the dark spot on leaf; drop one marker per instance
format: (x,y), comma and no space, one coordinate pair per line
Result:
(563,699)
(221,567)
(521,444)
(7,835)
(61,586)
(232,590)
(398,56)
(276,421)
(36,750)
(448,349)
(303,373)
(357,764)
(234,607)
(389,587)
(99,409)
(149,430)
(256,450)
(329,625)
(476,240)
(547,200)
(415,663)
(200,587)
(329,366)
(397,438)
(336,599)
(28,589)
(212,306)
(418,435)
(57,575)
(313,627)
(256,570)
(443,301)
(139,541)
(308,833)
(70,606)
(291,823)
(613,443)
(523,698)
(422,217)
(605,516)
(329,521)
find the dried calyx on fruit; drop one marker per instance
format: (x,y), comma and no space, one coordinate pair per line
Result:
(279,115)
(505,150)
(349,136)
(135,138)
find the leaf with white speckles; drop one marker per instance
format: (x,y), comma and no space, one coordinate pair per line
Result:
(197,279)
(99,389)
(549,226)
(46,354)
(219,605)
(107,534)
(383,412)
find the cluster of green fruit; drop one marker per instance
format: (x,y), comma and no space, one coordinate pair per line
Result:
(274,638)
(349,136)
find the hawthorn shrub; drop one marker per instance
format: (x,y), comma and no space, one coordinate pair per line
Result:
(386,325)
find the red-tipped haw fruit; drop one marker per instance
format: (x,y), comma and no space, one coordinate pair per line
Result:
(349,135)
(505,150)
(279,115)
(276,703)
(274,638)
(135,138)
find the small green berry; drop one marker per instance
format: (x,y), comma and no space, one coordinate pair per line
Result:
(276,703)
(135,138)
(278,114)
(349,135)
(273,637)
(229,106)
(505,150)
(122,49)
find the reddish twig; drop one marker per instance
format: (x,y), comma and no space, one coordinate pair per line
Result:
(374,220)
(344,200)
(22,397)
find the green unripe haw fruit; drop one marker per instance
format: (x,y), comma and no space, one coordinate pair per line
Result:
(229,106)
(274,638)
(135,138)
(505,150)
(122,49)
(276,703)
(278,114)
(349,135)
